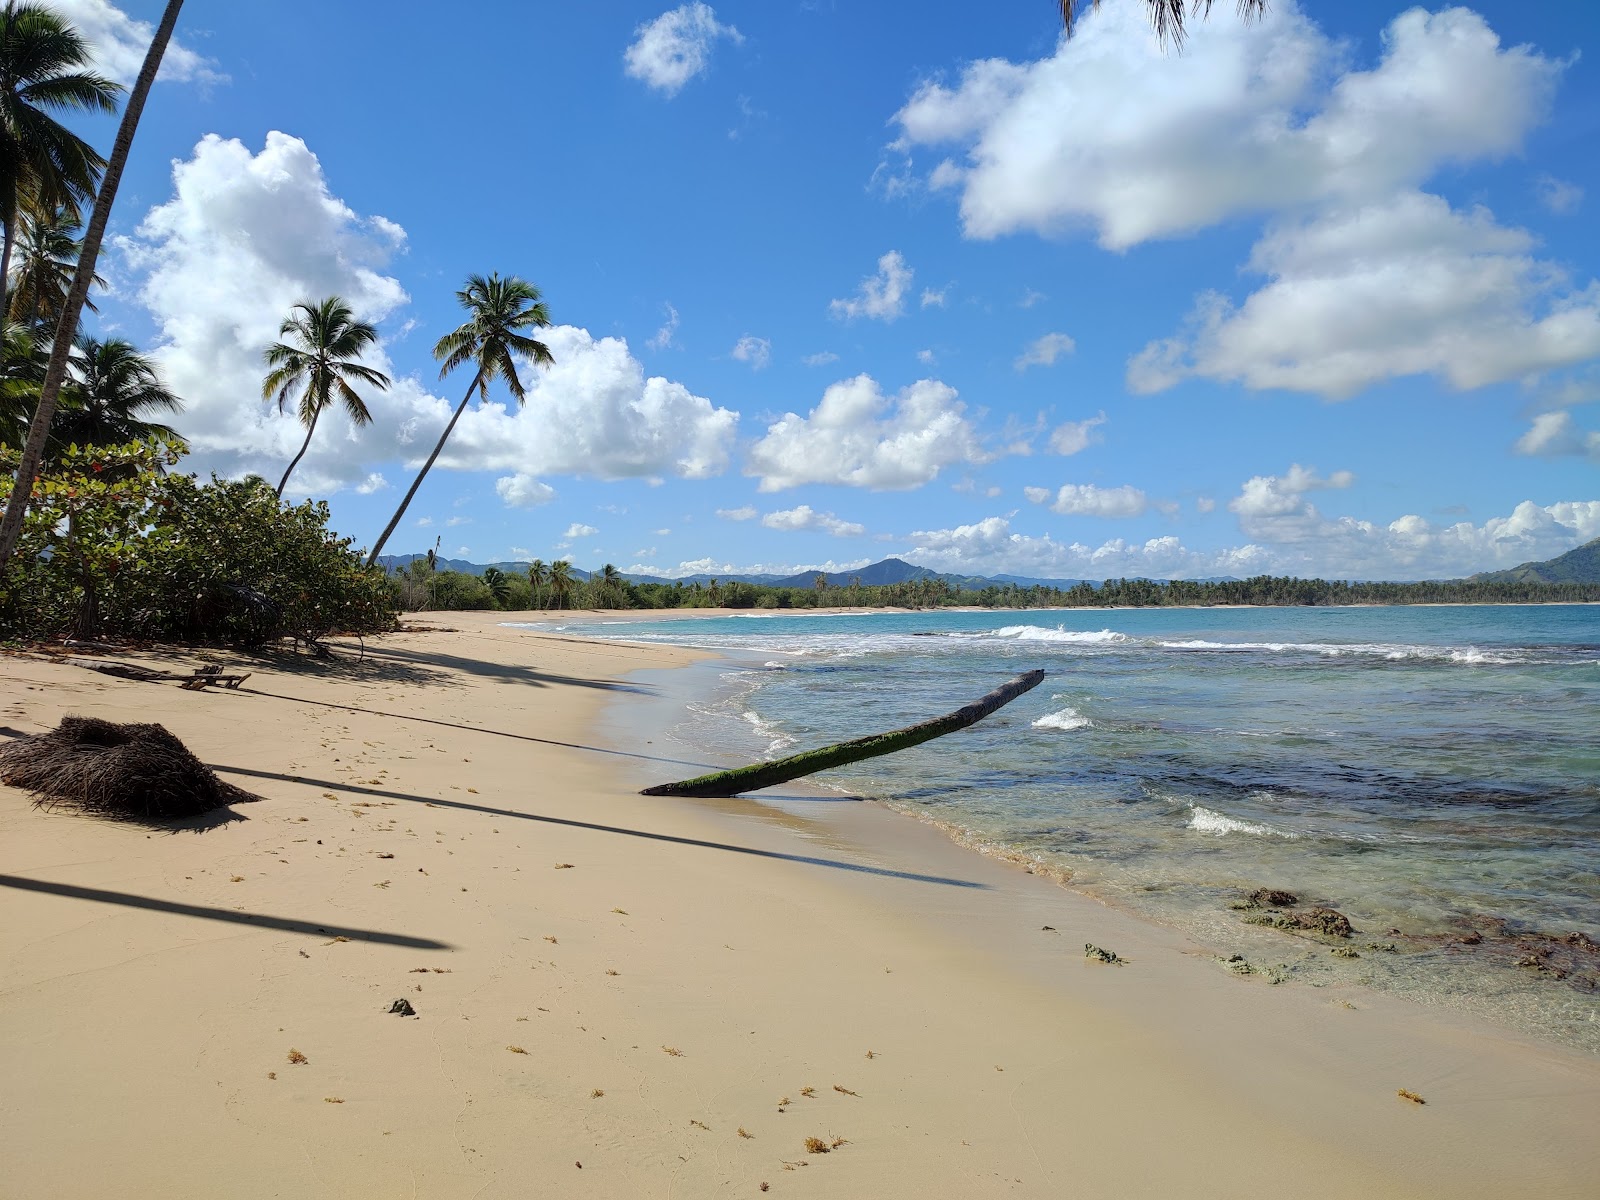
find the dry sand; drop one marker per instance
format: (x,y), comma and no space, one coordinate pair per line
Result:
(627,997)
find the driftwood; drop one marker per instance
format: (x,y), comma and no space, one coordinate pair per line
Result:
(197,680)
(762,775)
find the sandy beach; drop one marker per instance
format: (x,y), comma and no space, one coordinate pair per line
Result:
(619,996)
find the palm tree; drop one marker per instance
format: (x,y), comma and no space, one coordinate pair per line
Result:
(610,588)
(561,580)
(21,372)
(498,311)
(42,61)
(498,583)
(327,339)
(45,256)
(537,574)
(56,370)
(113,389)
(1167,16)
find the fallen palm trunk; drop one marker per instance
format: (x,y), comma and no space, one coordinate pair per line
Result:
(763,775)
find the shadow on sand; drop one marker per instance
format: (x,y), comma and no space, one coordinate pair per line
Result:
(204,913)
(807,859)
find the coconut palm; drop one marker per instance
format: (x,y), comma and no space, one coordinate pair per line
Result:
(44,258)
(561,581)
(114,389)
(21,372)
(1167,17)
(493,337)
(326,339)
(610,586)
(43,63)
(537,574)
(498,583)
(56,371)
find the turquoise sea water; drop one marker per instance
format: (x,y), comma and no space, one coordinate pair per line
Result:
(1431,771)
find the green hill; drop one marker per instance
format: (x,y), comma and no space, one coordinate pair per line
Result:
(1575,566)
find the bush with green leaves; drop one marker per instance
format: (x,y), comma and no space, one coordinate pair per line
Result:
(114,545)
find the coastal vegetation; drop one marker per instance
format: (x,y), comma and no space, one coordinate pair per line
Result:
(416,586)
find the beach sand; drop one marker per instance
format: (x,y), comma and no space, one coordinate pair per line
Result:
(628,997)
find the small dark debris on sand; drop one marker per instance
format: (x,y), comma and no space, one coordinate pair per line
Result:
(1090,950)
(402,1008)
(127,772)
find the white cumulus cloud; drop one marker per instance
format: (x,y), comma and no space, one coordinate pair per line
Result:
(746,513)
(247,235)
(1404,286)
(1251,117)
(119,43)
(804,517)
(859,437)
(882,297)
(668,52)
(1555,435)
(1088,500)
(1043,351)
(757,351)
(1072,437)
(1409,547)
(523,491)
(578,530)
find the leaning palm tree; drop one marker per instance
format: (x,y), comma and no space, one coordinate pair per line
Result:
(320,361)
(1167,17)
(45,256)
(537,574)
(43,70)
(113,390)
(561,581)
(491,339)
(56,370)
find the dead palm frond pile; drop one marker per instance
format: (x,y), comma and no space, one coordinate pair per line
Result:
(129,772)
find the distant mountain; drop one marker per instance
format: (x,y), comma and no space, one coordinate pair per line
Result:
(399,562)
(1575,566)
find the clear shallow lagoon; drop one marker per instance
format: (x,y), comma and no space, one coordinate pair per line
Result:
(1430,770)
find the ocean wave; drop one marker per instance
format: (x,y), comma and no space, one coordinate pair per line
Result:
(1040,633)
(1066,719)
(1205,820)
(776,738)
(1391,652)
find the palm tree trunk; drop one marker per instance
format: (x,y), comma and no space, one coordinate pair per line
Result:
(304,446)
(423,474)
(767,774)
(10,218)
(56,373)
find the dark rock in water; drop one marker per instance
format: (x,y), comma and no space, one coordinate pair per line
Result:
(1323,920)
(402,1008)
(1274,898)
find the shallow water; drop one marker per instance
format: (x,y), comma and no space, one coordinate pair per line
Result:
(1429,770)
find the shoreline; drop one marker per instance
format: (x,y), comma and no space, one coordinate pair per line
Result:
(1209,932)
(770,954)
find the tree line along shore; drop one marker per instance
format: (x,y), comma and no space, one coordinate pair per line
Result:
(419,587)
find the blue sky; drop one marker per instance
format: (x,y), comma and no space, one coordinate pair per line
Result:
(833,281)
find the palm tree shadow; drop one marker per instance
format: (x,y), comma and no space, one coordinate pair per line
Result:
(595,827)
(206,913)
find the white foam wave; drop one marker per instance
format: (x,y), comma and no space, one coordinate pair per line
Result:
(1386,650)
(1205,820)
(776,738)
(1066,719)
(1039,633)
